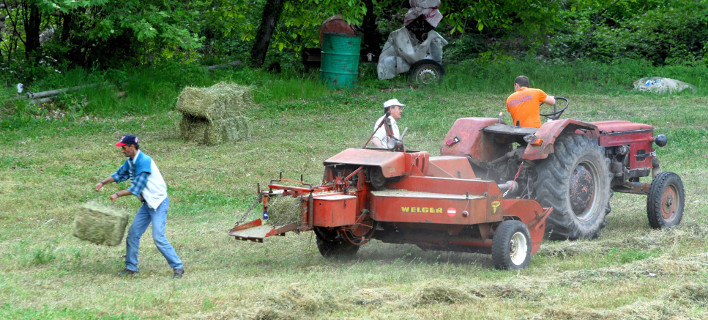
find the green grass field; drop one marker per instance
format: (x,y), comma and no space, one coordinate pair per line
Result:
(48,168)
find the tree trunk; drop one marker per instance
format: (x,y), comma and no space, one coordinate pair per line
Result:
(373,39)
(67,21)
(32,31)
(271,15)
(2,30)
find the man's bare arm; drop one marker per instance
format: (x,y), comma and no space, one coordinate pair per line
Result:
(550,100)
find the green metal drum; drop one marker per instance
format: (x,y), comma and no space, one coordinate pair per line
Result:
(340,59)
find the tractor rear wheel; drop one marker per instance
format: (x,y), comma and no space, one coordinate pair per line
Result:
(511,246)
(665,200)
(575,181)
(331,244)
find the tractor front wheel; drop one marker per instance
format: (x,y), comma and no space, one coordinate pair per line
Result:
(511,246)
(331,244)
(665,200)
(575,181)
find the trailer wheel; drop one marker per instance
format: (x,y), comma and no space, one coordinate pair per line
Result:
(665,200)
(331,244)
(575,181)
(425,72)
(511,246)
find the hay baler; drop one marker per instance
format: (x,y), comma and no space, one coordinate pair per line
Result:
(401,196)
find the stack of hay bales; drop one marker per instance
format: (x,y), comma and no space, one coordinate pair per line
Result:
(100,224)
(215,115)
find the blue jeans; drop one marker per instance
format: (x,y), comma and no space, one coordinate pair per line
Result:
(158,218)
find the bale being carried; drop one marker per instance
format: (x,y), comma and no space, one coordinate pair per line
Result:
(214,115)
(100,224)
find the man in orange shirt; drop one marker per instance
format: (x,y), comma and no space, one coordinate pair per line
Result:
(525,104)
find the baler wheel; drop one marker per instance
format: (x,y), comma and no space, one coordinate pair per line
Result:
(575,181)
(665,201)
(511,246)
(331,244)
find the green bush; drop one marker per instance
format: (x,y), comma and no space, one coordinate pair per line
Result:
(663,32)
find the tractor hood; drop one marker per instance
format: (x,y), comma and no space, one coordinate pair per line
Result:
(393,164)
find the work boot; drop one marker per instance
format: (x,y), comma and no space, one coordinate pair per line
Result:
(127,272)
(178,273)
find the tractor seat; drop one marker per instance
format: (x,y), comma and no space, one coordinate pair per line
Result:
(506,129)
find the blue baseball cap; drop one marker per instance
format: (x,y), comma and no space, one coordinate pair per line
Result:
(126,140)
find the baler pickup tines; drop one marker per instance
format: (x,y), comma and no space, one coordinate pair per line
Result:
(256,231)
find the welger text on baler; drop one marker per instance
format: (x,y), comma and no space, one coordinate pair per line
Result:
(421,210)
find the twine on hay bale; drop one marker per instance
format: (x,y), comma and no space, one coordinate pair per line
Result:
(100,224)
(215,114)
(284,210)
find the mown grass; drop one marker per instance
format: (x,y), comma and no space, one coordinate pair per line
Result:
(48,168)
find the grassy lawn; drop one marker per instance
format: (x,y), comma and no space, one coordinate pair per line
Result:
(48,169)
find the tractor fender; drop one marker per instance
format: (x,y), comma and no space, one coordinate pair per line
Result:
(466,137)
(551,130)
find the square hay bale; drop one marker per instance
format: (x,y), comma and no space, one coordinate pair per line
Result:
(284,210)
(100,224)
(214,115)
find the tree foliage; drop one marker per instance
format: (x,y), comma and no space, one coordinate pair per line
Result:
(44,35)
(661,31)
(99,33)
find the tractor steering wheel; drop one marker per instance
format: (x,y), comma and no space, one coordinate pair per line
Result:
(397,144)
(555,115)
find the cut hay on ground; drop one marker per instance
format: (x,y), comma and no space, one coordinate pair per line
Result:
(284,210)
(214,115)
(100,224)
(292,303)
(441,294)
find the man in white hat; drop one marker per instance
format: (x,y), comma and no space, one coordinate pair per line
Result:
(394,109)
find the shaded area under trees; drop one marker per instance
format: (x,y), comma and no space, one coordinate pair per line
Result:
(40,36)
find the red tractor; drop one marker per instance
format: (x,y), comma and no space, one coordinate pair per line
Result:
(571,166)
(495,189)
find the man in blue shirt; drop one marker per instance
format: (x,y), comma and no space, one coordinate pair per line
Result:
(148,185)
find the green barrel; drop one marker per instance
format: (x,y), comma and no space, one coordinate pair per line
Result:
(340,59)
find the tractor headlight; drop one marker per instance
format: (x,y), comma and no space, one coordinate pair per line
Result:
(660,140)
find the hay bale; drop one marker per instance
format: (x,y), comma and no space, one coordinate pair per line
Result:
(100,224)
(220,101)
(215,114)
(284,210)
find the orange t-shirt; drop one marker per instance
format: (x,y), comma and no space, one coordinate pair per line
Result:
(525,106)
